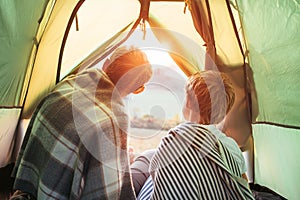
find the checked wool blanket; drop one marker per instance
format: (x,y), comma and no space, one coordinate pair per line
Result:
(75,145)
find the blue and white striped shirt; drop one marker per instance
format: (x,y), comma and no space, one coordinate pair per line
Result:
(192,163)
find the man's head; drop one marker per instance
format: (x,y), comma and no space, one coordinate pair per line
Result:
(209,97)
(129,69)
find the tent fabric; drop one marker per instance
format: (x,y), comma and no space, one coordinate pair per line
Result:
(212,20)
(47,54)
(228,49)
(274,56)
(182,43)
(277,159)
(272,30)
(172,39)
(99,54)
(203,24)
(187,53)
(8,123)
(92,36)
(18,29)
(19,23)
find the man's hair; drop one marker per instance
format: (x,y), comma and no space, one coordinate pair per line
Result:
(211,94)
(130,66)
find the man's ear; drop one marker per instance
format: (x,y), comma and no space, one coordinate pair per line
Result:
(106,64)
(188,102)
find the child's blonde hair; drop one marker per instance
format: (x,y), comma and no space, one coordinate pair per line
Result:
(211,94)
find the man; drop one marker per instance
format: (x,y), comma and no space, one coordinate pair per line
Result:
(196,160)
(76,144)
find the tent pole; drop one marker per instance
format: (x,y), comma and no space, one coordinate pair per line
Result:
(73,15)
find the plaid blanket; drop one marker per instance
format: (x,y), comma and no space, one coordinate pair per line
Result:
(75,145)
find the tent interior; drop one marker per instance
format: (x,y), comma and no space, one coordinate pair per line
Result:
(256,43)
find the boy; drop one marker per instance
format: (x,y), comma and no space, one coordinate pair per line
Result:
(196,160)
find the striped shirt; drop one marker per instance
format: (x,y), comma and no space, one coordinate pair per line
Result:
(191,163)
(75,145)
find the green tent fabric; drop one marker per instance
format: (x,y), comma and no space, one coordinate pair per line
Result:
(259,38)
(272,30)
(17,32)
(277,159)
(19,24)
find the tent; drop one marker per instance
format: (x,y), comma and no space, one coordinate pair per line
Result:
(256,43)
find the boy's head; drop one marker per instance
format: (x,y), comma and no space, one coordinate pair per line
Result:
(129,69)
(209,97)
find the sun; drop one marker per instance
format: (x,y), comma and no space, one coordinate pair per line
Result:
(159,57)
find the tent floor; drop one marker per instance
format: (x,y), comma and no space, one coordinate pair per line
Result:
(261,192)
(6,184)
